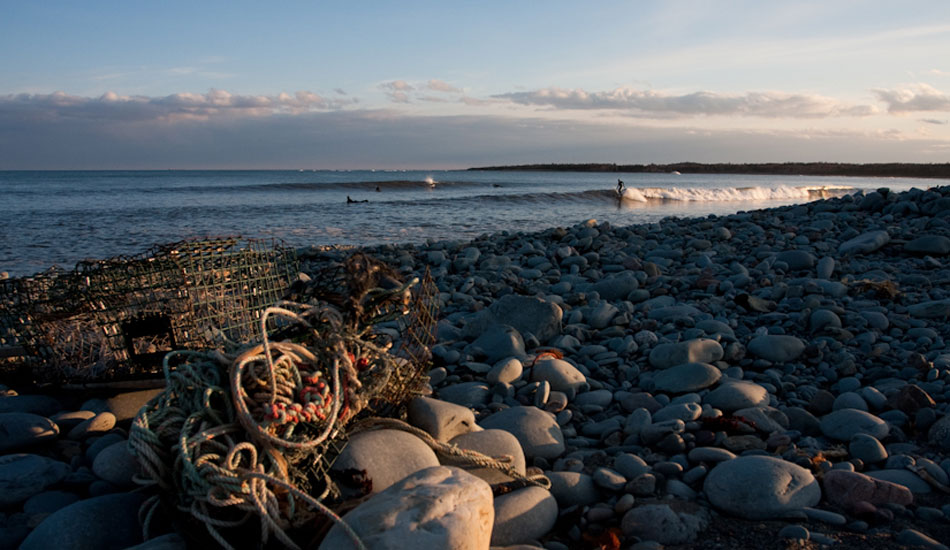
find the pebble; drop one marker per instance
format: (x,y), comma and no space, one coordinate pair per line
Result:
(97,425)
(494,443)
(687,377)
(573,488)
(732,395)
(777,348)
(849,489)
(441,419)
(867,448)
(699,350)
(563,376)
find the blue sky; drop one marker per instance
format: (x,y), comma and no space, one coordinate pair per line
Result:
(449,85)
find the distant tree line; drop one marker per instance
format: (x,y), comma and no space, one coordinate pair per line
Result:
(890,169)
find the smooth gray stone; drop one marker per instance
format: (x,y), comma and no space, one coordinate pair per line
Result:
(778,348)
(687,412)
(710,454)
(97,425)
(823,318)
(493,443)
(23,430)
(844,424)
(796,259)
(698,350)
(573,488)
(674,312)
(41,405)
(687,377)
(438,507)
(562,376)
(527,314)
(617,287)
(761,487)
(712,327)
(125,406)
(930,310)
(674,523)
(107,522)
(466,394)
(101,443)
(865,243)
(387,456)
(867,448)
(70,419)
(915,539)
(939,433)
(902,477)
(600,314)
(600,398)
(536,430)
(116,464)
(935,245)
(498,342)
(441,419)
(506,370)
(523,515)
(609,479)
(733,395)
(630,465)
(825,516)
(25,475)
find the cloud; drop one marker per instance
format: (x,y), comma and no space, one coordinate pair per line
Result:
(342,138)
(650,103)
(933,121)
(397,90)
(440,86)
(938,72)
(181,106)
(919,97)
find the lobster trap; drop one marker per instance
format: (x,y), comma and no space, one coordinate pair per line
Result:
(115,319)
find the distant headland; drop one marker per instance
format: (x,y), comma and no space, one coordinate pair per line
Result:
(891,169)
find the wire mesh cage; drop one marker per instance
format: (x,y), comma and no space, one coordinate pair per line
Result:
(115,319)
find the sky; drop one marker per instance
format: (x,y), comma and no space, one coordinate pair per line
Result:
(420,84)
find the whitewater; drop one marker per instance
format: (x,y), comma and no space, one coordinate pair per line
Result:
(52,218)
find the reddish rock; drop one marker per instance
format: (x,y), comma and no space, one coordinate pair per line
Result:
(910,398)
(850,489)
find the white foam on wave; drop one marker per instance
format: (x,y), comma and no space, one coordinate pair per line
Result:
(778,192)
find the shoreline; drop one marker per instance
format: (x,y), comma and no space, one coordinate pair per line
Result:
(748,380)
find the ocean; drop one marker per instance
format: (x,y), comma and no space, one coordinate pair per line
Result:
(58,218)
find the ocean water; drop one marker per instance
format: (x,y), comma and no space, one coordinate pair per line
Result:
(52,218)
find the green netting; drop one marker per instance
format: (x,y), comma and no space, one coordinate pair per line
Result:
(114,319)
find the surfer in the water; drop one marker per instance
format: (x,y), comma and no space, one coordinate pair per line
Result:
(351,201)
(619,187)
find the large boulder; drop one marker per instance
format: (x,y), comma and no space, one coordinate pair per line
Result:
(386,456)
(108,522)
(23,430)
(761,487)
(25,475)
(439,507)
(443,420)
(523,515)
(525,313)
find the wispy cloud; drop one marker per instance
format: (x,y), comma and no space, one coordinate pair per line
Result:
(933,121)
(650,103)
(397,90)
(181,106)
(919,97)
(441,86)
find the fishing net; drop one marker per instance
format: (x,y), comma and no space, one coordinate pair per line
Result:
(115,319)
(241,444)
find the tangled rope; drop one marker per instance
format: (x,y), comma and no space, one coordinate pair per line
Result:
(192,440)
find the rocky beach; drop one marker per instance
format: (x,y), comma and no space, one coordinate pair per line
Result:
(776,378)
